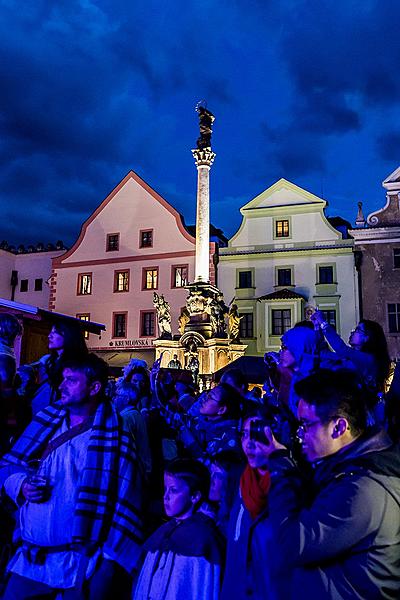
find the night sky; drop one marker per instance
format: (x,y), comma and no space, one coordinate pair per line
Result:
(90,89)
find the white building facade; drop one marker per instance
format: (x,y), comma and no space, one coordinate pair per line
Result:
(285,260)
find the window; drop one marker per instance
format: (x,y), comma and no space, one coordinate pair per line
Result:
(119,325)
(245,279)
(246,325)
(112,242)
(150,278)
(396,258)
(84,284)
(179,276)
(394,318)
(282,228)
(146,238)
(38,285)
(121,281)
(330,317)
(84,317)
(24,285)
(147,323)
(325,274)
(284,277)
(281,321)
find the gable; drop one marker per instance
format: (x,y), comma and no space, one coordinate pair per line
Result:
(392,182)
(284,193)
(132,206)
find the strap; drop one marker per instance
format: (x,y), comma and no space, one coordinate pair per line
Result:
(67,435)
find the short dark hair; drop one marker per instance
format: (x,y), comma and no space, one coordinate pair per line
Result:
(338,393)
(230,398)
(10,327)
(237,377)
(194,473)
(94,367)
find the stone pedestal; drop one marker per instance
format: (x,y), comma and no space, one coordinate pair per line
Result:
(212,354)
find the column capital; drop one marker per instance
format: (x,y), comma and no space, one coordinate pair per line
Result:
(204,157)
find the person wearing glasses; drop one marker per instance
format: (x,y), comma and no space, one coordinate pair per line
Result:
(344,541)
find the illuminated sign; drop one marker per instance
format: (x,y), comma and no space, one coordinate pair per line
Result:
(139,343)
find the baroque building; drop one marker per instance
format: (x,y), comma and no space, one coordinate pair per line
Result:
(285,260)
(134,244)
(377,248)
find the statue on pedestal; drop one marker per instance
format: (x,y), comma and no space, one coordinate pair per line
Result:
(234,323)
(217,310)
(175,363)
(206,119)
(163,316)
(183,319)
(192,361)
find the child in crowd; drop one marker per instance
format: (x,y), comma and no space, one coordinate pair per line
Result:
(184,556)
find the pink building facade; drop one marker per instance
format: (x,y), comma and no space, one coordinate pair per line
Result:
(134,244)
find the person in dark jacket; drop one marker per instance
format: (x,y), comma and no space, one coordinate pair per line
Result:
(251,570)
(344,542)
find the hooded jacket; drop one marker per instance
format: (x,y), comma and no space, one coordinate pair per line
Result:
(346,543)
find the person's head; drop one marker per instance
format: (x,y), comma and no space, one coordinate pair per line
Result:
(331,411)
(10,328)
(221,401)
(139,380)
(236,379)
(66,338)
(368,336)
(295,343)
(186,485)
(132,364)
(255,451)
(84,382)
(226,468)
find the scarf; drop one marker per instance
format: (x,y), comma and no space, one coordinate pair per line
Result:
(108,506)
(254,489)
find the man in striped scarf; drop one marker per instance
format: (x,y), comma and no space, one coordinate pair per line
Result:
(79,517)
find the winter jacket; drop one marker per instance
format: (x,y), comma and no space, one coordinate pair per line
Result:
(345,543)
(251,570)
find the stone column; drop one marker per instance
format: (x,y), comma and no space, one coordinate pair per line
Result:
(204,159)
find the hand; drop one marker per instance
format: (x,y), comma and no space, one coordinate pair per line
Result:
(317,318)
(35,493)
(273,443)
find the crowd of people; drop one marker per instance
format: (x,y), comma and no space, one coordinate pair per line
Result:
(142,487)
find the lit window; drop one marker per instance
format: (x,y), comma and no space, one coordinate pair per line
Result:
(146,238)
(396,258)
(246,325)
(121,281)
(112,242)
(24,285)
(180,276)
(282,228)
(84,284)
(394,318)
(325,274)
(245,279)
(284,277)
(330,317)
(281,321)
(147,324)
(84,317)
(150,279)
(119,325)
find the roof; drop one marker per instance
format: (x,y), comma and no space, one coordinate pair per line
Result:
(48,315)
(284,294)
(253,367)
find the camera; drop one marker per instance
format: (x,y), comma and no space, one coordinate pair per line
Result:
(257,432)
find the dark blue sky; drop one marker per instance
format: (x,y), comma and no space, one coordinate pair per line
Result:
(307,90)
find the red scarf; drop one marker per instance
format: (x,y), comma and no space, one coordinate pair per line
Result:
(254,488)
